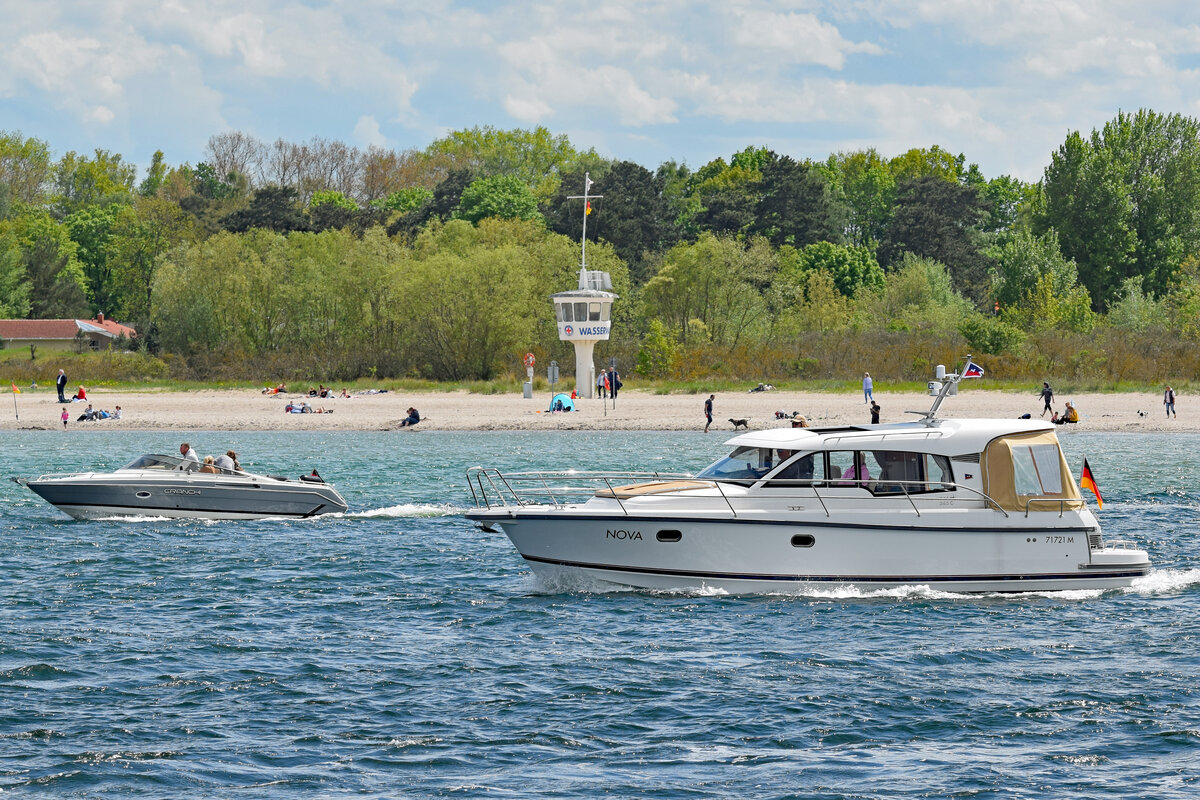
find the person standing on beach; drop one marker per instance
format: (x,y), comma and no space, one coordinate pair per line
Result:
(874,413)
(868,388)
(602,384)
(62,386)
(1169,401)
(65,417)
(708,411)
(1047,396)
(614,382)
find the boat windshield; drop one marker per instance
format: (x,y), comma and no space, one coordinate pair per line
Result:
(742,463)
(155,462)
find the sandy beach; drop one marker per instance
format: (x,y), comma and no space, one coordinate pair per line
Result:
(249,410)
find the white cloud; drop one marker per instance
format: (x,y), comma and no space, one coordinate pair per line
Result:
(797,39)
(367,132)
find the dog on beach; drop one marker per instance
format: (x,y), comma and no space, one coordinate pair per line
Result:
(740,423)
(1141,413)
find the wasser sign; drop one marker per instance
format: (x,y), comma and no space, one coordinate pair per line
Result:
(596,330)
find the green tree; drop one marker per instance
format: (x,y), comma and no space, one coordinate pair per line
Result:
(91,229)
(14,283)
(868,189)
(918,294)
(535,157)
(937,219)
(796,204)
(273,208)
(156,173)
(1126,201)
(715,281)
(141,235)
(659,352)
(81,181)
(503,196)
(851,269)
(24,167)
(1022,261)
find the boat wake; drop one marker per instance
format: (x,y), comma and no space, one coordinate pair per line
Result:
(407,510)
(1165,581)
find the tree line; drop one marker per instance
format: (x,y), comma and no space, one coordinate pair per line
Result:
(321,258)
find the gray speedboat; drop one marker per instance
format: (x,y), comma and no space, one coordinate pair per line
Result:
(170,486)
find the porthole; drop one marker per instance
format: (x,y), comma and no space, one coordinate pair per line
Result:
(803,540)
(143,495)
(669,536)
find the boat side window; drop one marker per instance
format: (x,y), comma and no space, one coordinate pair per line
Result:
(743,463)
(1036,470)
(842,469)
(911,473)
(800,471)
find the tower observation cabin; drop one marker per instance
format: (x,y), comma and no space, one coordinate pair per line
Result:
(584,315)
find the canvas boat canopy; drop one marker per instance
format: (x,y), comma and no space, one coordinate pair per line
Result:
(1028,472)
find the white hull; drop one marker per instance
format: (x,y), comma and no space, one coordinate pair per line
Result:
(759,556)
(961,506)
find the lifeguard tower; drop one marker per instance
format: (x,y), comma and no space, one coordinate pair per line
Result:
(584,315)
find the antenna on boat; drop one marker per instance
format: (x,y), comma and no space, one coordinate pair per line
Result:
(943,385)
(587,210)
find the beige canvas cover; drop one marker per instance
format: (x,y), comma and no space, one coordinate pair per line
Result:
(1000,480)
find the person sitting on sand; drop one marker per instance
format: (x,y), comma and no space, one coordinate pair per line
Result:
(413,418)
(1069,415)
(80,395)
(345,394)
(209,466)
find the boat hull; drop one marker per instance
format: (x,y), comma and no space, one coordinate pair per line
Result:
(184,499)
(750,555)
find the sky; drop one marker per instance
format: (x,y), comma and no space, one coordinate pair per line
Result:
(1002,82)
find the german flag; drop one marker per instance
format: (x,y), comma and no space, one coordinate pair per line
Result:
(1088,482)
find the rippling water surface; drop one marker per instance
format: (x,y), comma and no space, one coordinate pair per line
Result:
(397,651)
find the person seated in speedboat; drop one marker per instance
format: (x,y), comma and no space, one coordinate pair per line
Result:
(227,460)
(209,466)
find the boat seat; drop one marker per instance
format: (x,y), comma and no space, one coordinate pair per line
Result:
(653,487)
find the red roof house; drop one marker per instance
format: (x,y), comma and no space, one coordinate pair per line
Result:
(59,334)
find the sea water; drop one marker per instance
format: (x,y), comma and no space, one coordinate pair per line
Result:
(399,651)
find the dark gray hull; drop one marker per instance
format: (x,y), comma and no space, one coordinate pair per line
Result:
(216,497)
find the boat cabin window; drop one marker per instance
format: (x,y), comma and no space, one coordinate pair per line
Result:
(742,463)
(1036,470)
(886,472)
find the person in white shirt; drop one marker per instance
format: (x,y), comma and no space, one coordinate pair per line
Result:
(188,453)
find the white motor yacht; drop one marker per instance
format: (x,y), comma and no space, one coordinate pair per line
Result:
(980,505)
(170,486)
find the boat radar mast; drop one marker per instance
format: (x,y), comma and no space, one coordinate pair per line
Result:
(943,385)
(584,315)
